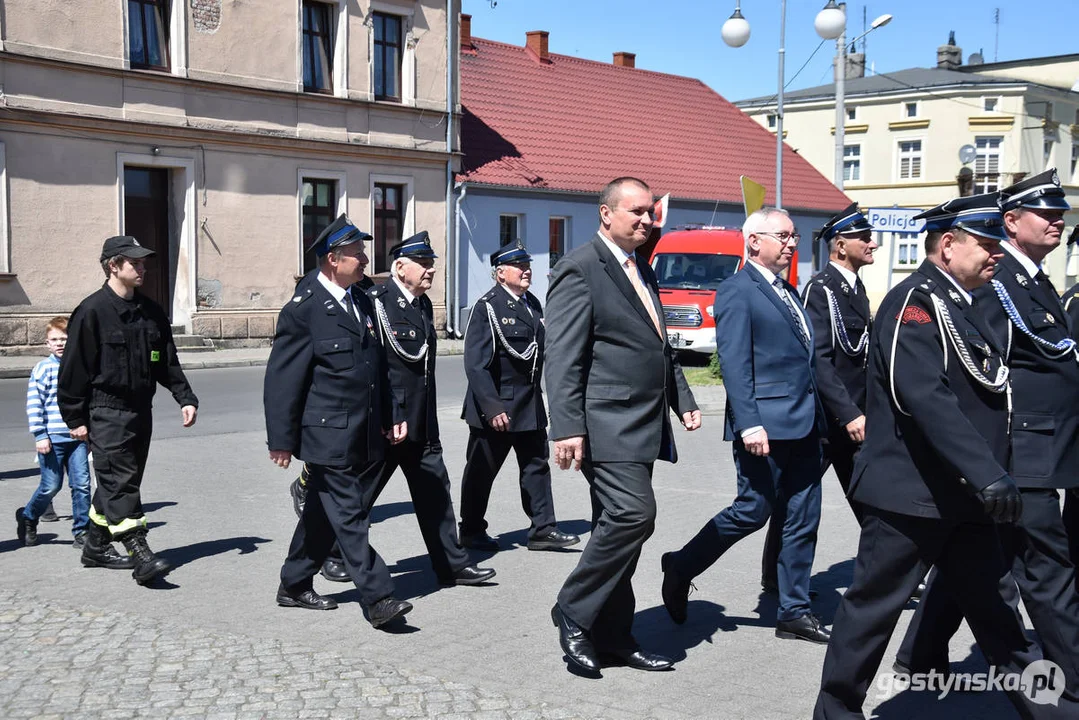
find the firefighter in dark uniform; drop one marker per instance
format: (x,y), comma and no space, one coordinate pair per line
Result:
(930,477)
(1071,497)
(119,348)
(326,402)
(1024,311)
(405,319)
(504,404)
(837,305)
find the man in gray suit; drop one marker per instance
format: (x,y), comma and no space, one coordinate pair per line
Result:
(611,377)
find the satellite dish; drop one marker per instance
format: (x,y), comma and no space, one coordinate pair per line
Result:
(967,153)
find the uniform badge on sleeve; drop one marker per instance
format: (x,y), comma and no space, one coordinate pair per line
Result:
(913,314)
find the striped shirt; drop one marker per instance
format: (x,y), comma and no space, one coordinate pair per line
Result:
(41,408)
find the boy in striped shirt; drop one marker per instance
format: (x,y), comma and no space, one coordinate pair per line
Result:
(56,450)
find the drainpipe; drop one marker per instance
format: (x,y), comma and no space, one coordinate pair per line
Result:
(451,237)
(456,236)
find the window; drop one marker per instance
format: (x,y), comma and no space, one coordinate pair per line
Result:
(5,252)
(852,113)
(387,57)
(852,162)
(317,48)
(910,159)
(1047,151)
(148,33)
(509,229)
(906,249)
(1075,160)
(1048,114)
(318,203)
(389,204)
(557,234)
(989,104)
(771,117)
(910,110)
(987,164)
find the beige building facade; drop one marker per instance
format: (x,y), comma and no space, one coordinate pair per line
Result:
(225,135)
(904,132)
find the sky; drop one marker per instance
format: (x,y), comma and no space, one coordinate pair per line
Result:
(682,37)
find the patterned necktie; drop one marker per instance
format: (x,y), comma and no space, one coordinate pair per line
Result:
(778,283)
(630,266)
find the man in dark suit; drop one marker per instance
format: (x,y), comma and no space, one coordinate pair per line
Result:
(325,400)
(1071,497)
(1023,309)
(930,477)
(774,417)
(504,404)
(611,377)
(838,309)
(406,323)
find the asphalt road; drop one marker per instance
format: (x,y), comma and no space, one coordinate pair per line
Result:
(220,512)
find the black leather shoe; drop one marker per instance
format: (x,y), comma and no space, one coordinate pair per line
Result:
(298,491)
(25,530)
(471,575)
(807,627)
(483,541)
(641,660)
(770,587)
(554,540)
(335,571)
(387,609)
(575,642)
(675,590)
(308,599)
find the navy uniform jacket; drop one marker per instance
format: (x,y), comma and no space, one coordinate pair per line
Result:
(840,377)
(948,437)
(497,381)
(325,390)
(767,371)
(1045,392)
(412,382)
(1071,305)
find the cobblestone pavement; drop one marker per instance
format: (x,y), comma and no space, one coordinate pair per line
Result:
(60,662)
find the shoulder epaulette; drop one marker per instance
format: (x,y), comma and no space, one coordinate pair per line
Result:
(378,291)
(301,296)
(489,296)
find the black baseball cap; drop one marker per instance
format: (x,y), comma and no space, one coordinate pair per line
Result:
(124,245)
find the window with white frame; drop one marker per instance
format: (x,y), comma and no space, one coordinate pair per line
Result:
(910,159)
(910,110)
(156,35)
(907,249)
(852,113)
(1047,150)
(388,45)
(771,117)
(987,163)
(509,229)
(317,47)
(989,104)
(5,249)
(1075,161)
(852,162)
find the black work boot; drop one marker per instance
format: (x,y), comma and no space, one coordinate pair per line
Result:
(147,565)
(97,550)
(25,529)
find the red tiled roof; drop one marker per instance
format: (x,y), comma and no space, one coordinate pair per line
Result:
(574,124)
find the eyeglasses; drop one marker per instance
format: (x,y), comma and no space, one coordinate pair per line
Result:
(782,237)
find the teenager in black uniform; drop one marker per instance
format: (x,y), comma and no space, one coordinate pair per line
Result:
(326,401)
(119,349)
(837,306)
(1023,309)
(931,477)
(504,404)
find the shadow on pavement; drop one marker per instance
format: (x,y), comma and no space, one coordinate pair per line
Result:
(519,538)
(151,506)
(185,554)
(827,584)
(390,510)
(18,474)
(655,630)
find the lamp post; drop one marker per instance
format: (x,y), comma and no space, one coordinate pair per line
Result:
(830,24)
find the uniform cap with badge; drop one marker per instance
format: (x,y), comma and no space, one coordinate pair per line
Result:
(126,246)
(1039,191)
(337,234)
(978,215)
(510,253)
(417,246)
(848,222)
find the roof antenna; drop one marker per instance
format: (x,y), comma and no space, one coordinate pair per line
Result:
(996,37)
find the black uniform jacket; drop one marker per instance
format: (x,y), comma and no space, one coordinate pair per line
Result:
(497,381)
(1071,305)
(1045,392)
(412,383)
(840,377)
(948,436)
(117,352)
(325,390)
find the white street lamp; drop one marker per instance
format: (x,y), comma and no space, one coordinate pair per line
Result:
(735,31)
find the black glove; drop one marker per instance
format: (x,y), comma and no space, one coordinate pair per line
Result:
(1002,501)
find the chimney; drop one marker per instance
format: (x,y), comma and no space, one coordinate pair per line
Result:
(466,32)
(537,43)
(855,66)
(625,59)
(949,56)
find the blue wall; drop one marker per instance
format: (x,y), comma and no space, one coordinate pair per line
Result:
(478,225)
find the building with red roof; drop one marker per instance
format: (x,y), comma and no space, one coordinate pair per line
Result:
(542,133)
